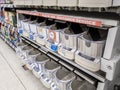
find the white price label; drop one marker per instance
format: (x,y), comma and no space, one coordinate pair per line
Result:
(24,54)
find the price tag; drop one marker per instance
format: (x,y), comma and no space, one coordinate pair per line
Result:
(11,27)
(5,24)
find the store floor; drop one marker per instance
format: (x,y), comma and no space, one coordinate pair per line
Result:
(12,75)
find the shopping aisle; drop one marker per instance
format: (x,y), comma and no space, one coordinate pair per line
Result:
(8,80)
(12,75)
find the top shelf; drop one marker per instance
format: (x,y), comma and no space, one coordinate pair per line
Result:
(113,9)
(66,16)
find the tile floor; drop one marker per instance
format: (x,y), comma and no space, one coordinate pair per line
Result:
(12,75)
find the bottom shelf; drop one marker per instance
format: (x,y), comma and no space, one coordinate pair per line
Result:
(100,76)
(7,41)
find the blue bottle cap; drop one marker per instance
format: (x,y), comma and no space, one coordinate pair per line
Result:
(54,47)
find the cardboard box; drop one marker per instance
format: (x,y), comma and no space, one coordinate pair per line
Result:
(37,2)
(67,3)
(116,2)
(49,2)
(95,3)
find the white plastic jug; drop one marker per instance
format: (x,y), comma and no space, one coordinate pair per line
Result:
(42,33)
(20,46)
(90,48)
(69,42)
(39,65)
(31,58)
(62,79)
(53,39)
(78,84)
(50,68)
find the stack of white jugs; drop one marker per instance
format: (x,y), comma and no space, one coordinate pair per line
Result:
(84,45)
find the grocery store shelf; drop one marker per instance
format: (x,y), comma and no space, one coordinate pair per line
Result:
(75,8)
(57,57)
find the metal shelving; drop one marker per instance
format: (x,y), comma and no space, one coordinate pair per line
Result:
(104,18)
(57,57)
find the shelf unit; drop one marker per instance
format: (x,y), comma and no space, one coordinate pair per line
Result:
(104,22)
(4,23)
(99,19)
(58,57)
